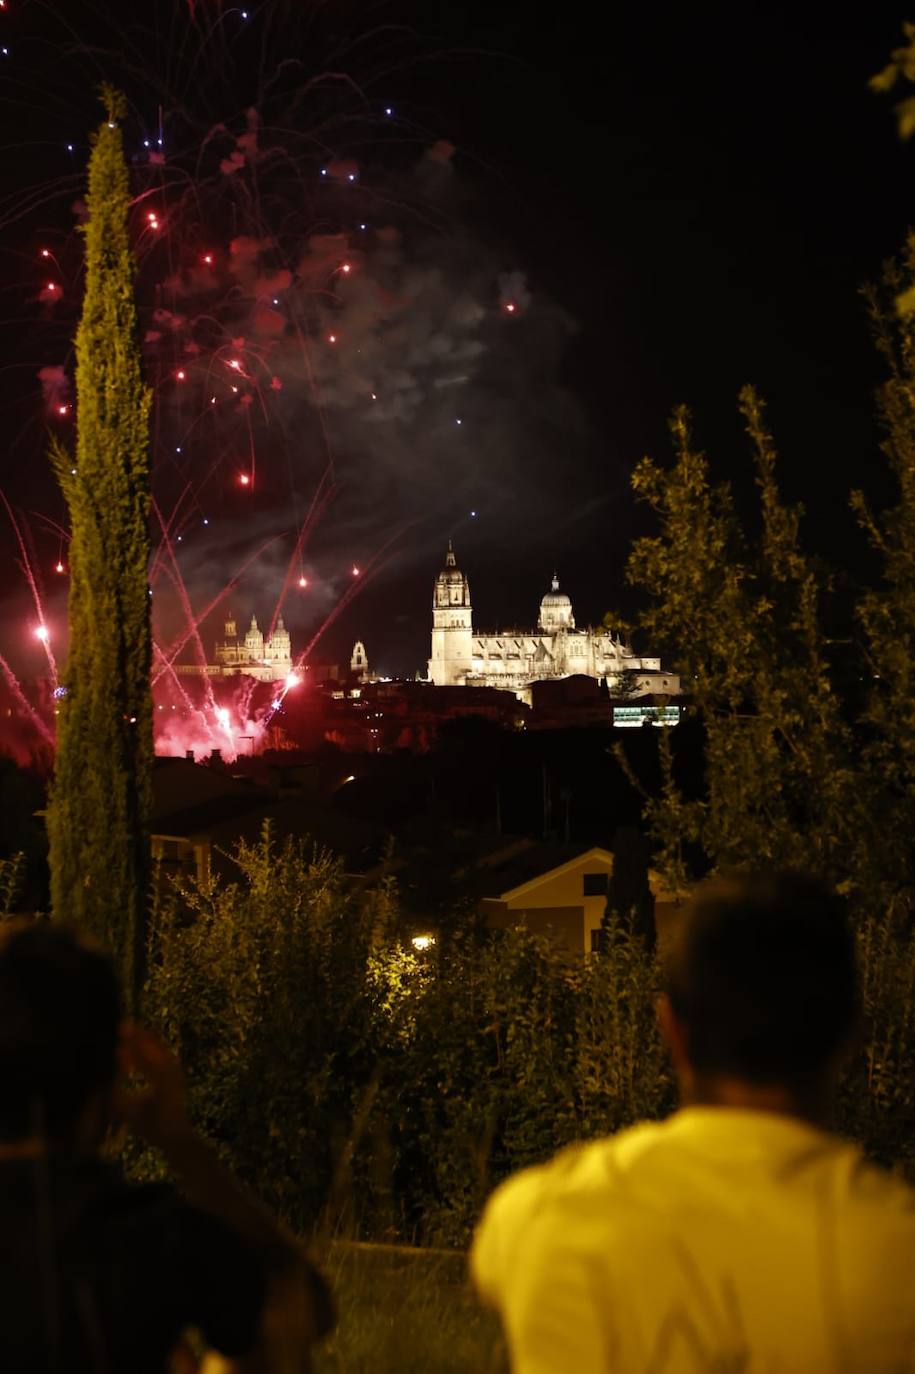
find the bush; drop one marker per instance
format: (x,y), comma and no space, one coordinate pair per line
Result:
(356,1084)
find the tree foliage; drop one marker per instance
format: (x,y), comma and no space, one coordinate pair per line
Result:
(795,775)
(740,619)
(900,68)
(99,806)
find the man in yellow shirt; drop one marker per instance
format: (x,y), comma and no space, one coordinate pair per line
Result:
(738,1236)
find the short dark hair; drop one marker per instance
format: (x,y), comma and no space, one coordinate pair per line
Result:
(60,1008)
(762,973)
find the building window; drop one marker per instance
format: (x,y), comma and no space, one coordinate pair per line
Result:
(594,884)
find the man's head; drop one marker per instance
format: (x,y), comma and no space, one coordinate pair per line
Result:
(60,1009)
(761,986)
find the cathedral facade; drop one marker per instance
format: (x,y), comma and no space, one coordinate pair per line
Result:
(267,658)
(514,658)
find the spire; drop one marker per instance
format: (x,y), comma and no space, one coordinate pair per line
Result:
(555,581)
(254,622)
(449,556)
(279,627)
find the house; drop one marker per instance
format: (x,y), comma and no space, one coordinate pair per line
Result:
(565,899)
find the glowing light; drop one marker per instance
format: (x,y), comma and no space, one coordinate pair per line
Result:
(473,515)
(59,567)
(152,217)
(355,571)
(63,410)
(346,267)
(422,942)
(69,147)
(45,252)
(374,397)
(292,680)
(331,338)
(303,581)
(180,375)
(363,226)
(245,480)
(52,286)
(208,259)
(510,307)
(351,176)
(459,422)
(324,171)
(389,110)
(222,715)
(235,364)
(205,520)
(42,634)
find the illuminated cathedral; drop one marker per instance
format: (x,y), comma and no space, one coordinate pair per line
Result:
(267,658)
(514,658)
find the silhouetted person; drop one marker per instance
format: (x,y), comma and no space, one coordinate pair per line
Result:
(738,1236)
(98,1276)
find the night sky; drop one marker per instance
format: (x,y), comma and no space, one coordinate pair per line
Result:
(677,200)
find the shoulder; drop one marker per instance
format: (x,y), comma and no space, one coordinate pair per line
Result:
(579,1180)
(583,1168)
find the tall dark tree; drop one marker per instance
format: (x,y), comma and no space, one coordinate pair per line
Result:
(99,808)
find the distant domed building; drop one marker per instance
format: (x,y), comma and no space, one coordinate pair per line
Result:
(513,658)
(555,610)
(269,659)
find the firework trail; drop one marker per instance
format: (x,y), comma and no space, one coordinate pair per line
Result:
(318,327)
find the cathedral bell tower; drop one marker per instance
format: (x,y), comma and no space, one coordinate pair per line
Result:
(452,626)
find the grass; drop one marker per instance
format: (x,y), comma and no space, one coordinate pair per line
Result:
(406,1311)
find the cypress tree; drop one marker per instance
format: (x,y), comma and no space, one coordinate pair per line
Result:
(98,816)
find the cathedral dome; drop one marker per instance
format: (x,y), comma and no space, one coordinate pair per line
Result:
(451,585)
(555,597)
(451,575)
(556,609)
(451,572)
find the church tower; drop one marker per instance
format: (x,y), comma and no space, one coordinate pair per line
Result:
(278,649)
(254,642)
(359,663)
(452,626)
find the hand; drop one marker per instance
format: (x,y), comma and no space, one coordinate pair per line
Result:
(156,1111)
